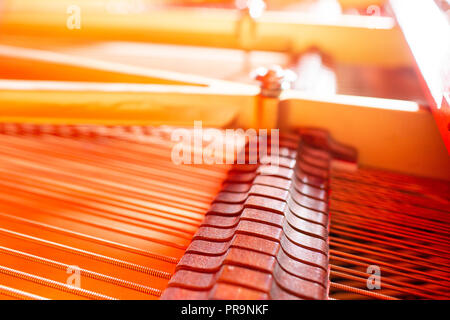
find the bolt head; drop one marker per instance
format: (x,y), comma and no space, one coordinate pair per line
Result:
(274,78)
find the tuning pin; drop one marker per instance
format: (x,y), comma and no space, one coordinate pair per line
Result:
(274,79)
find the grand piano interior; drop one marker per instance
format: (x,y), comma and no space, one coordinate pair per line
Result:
(94,206)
